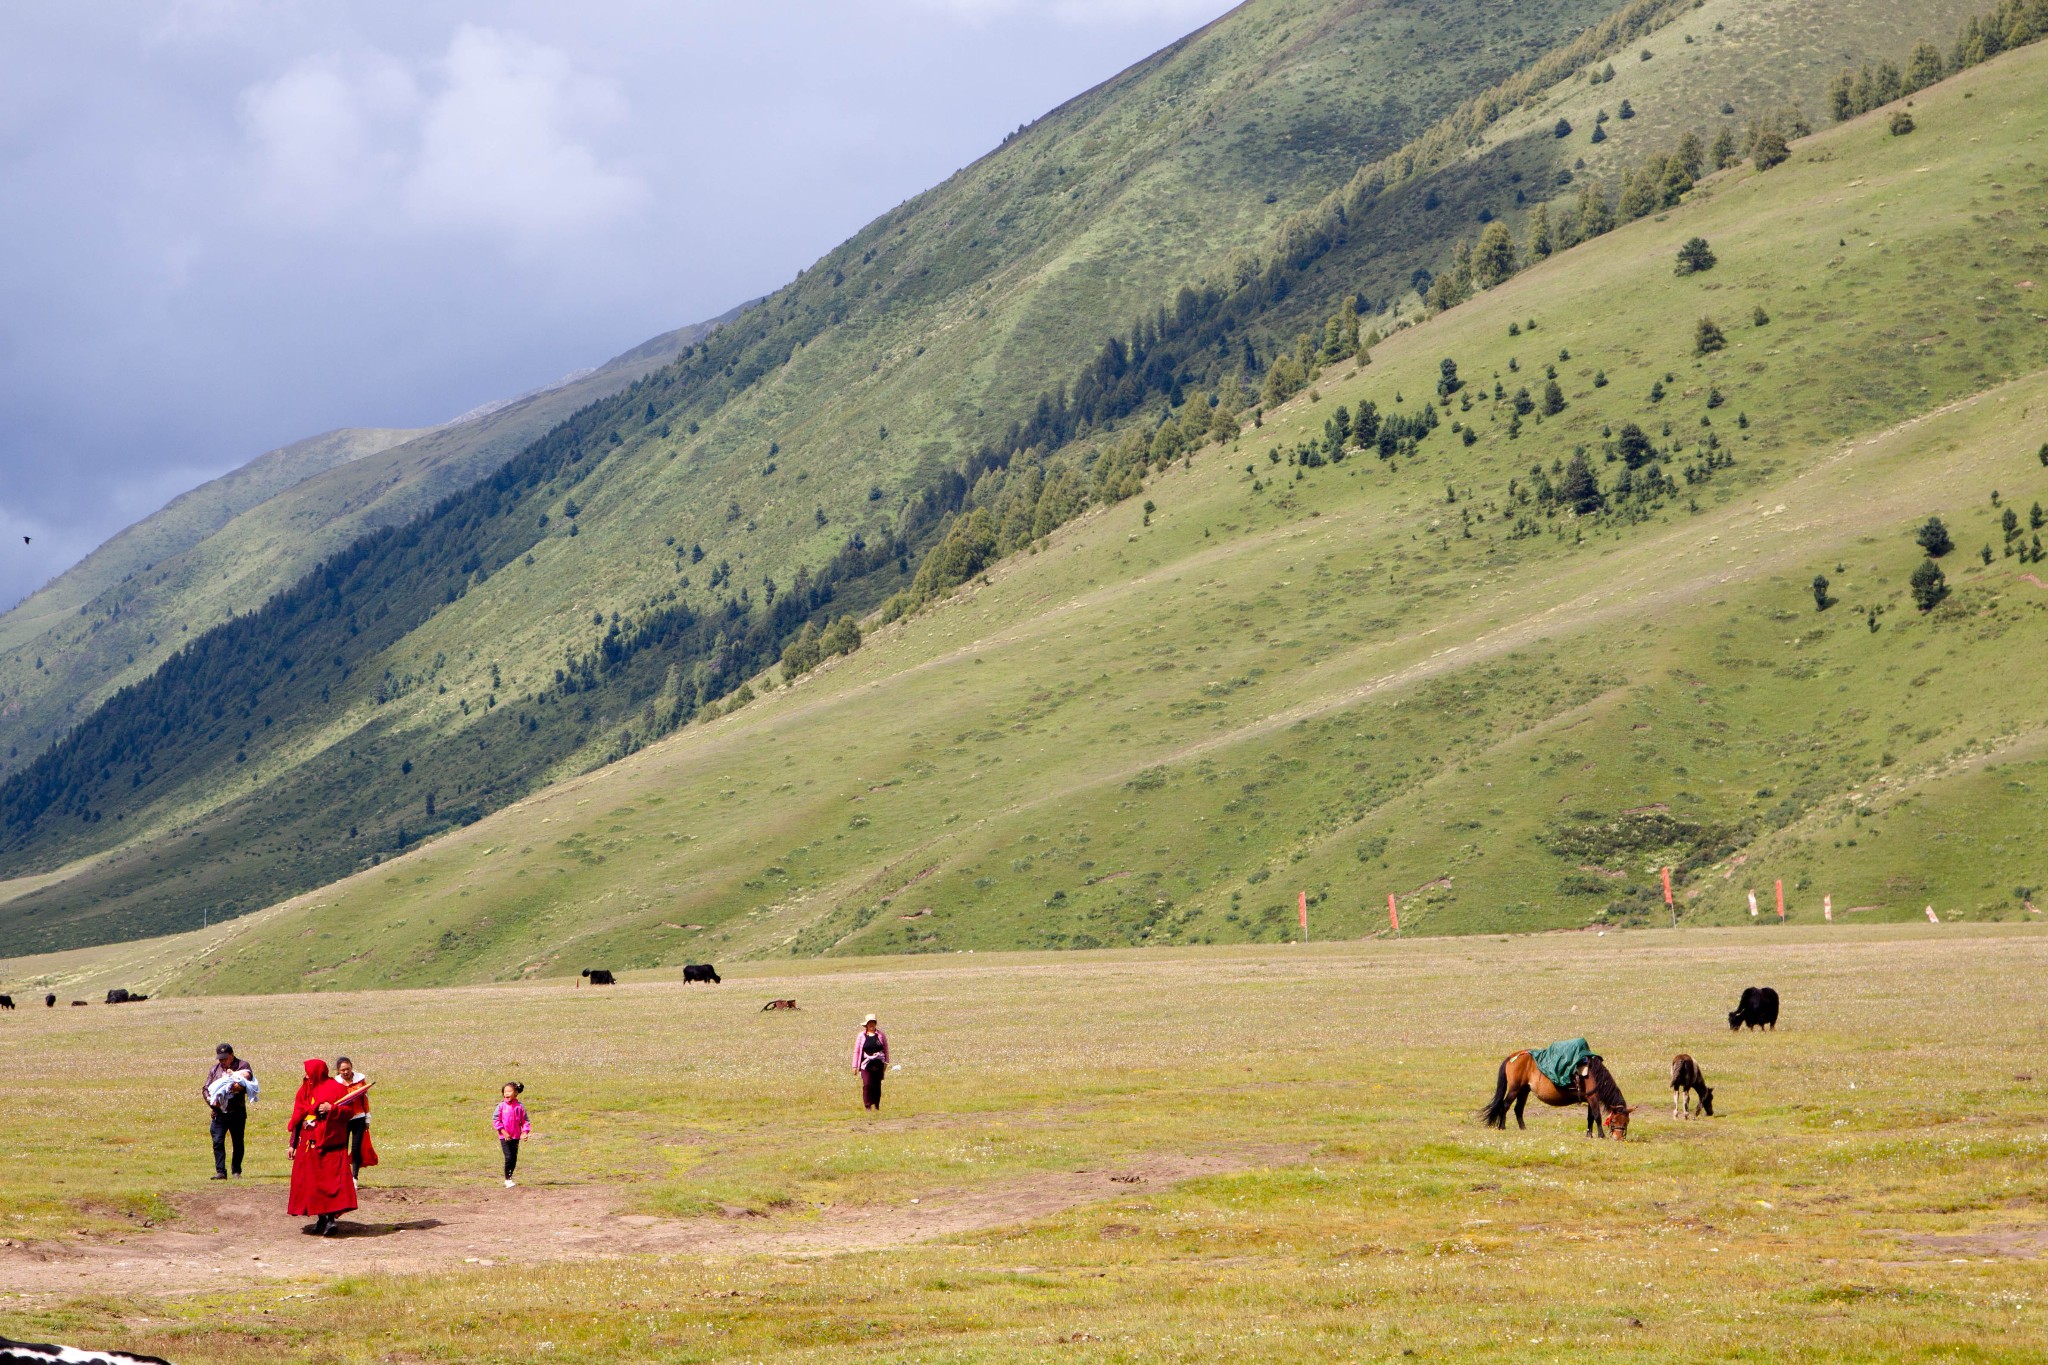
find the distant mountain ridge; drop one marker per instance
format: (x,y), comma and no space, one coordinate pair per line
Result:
(227,545)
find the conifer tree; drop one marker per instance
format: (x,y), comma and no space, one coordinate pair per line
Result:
(1695,256)
(1578,489)
(1770,149)
(1724,148)
(1494,259)
(1929,585)
(1924,68)
(1541,241)
(1933,537)
(1553,399)
(1707,338)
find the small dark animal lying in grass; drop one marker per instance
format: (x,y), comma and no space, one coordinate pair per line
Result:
(778,1005)
(1688,1080)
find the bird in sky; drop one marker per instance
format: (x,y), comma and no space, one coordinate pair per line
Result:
(24,540)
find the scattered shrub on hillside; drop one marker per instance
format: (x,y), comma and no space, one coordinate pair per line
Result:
(1448,382)
(1553,399)
(1707,337)
(1626,111)
(1821,600)
(1759,318)
(1930,585)
(1599,379)
(1986,553)
(1562,128)
(1695,256)
(2044,454)
(1902,123)
(2037,518)
(1599,134)
(1933,537)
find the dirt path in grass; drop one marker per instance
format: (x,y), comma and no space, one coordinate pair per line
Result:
(228,1237)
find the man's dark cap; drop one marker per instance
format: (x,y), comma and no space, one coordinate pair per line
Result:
(224,1050)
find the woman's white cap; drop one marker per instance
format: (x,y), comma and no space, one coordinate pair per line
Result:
(869,1020)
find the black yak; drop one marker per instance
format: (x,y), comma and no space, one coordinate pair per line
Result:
(6,1002)
(700,971)
(599,976)
(1758,1009)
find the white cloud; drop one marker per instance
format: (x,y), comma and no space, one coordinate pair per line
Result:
(330,135)
(489,141)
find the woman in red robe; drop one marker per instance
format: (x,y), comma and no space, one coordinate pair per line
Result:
(321,1183)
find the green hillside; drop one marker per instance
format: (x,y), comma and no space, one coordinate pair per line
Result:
(1281,673)
(662,548)
(841,412)
(228,545)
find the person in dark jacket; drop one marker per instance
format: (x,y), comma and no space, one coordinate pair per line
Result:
(871,1061)
(230,1113)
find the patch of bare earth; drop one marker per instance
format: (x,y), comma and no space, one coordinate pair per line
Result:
(2024,1244)
(232,1236)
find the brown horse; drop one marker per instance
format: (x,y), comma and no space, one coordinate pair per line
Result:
(1595,1088)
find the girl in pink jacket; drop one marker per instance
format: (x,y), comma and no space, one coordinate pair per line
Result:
(511,1124)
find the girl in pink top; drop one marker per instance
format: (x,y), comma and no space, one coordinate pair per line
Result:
(512,1124)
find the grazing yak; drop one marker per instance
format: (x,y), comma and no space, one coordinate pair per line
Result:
(599,976)
(700,971)
(118,996)
(1688,1080)
(1758,1009)
(6,1002)
(50,1000)
(31,1353)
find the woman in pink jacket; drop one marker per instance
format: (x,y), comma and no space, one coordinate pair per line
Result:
(871,1061)
(511,1124)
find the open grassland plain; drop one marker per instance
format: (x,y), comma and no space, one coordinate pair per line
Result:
(1247,1153)
(1399,676)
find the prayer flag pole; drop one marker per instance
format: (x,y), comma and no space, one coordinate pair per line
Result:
(1304,916)
(1393,915)
(1781,900)
(1672,904)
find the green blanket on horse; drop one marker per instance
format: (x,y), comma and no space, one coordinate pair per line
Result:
(1560,1062)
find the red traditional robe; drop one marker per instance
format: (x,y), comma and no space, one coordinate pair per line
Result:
(321,1182)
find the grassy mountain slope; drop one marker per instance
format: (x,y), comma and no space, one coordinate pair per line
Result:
(1295,677)
(841,408)
(226,546)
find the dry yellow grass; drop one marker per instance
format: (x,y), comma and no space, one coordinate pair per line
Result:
(1807,1222)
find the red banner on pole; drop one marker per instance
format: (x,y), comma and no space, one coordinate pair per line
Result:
(1781,899)
(1304,914)
(1667,888)
(1393,915)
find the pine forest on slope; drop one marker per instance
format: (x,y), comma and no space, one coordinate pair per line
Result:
(624,650)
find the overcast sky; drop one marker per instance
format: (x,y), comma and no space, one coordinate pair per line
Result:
(233,223)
